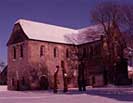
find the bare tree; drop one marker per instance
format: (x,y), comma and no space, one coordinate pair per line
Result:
(108,13)
(115,18)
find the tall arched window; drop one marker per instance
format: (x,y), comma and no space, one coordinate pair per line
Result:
(91,51)
(67,53)
(55,52)
(21,50)
(88,52)
(84,52)
(14,52)
(41,50)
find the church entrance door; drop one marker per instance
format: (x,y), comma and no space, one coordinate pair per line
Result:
(44,84)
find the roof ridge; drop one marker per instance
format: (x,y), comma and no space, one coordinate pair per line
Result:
(52,33)
(36,22)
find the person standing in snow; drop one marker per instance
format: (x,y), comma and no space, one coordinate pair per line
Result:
(65,80)
(55,79)
(81,78)
(64,76)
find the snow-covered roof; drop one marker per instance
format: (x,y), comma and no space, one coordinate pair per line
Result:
(58,34)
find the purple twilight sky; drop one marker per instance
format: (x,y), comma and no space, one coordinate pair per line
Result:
(67,13)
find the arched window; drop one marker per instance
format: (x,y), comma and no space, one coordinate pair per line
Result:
(84,52)
(88,52)
(41,50)
(91,51)
(97,49)
(55,52)
(21,50)
(67,53)
(14,52)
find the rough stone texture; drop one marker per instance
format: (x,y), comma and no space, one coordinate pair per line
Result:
(34,64)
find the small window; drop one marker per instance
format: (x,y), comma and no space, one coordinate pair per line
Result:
(14,52)
(55,52)
(41,50)
(21,50)
(67,53)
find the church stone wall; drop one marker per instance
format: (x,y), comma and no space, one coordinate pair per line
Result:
(28,69)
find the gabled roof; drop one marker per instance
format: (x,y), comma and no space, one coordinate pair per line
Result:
(58,34)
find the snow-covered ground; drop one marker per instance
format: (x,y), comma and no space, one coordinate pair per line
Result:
(92,95)
(3,88)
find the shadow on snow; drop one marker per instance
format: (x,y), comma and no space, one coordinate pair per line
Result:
(118,94)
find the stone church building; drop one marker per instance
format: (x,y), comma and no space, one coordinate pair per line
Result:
(35,49)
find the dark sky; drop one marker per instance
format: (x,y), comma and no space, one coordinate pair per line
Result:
(68,13)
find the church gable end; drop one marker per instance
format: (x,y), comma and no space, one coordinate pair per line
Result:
(17,35)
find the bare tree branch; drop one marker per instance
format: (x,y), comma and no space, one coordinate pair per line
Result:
(115,18)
